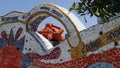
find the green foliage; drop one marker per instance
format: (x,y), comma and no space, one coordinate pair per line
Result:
(100,8)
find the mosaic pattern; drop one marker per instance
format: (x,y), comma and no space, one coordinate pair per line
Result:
(108,37)
(111,56)
(8,54)
(52,55)
(11,44)
(11,50)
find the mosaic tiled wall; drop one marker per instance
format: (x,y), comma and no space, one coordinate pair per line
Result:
(20,46)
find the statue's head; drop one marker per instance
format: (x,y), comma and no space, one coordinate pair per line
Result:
(49,24)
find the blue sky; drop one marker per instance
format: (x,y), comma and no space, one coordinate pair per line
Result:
(26,5)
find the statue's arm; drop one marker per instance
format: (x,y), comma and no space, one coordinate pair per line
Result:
(41,31)
(57,29)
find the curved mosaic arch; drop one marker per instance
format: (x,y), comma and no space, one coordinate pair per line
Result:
(68,20)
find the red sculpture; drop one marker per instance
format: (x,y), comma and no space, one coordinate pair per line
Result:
(52,32)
